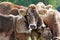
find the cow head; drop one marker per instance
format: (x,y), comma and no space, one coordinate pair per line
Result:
(31,16)
(34,19)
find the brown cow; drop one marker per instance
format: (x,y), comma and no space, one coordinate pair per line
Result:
(53,22)
(51,19)
(14,11)
(6,27)
(36,20)
(22,32)
(39,32)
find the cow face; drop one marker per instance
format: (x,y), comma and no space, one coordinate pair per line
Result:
(31,16)
(35,21)
(40,23)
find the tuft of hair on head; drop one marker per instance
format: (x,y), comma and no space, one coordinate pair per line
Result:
(33,6)
(41,4)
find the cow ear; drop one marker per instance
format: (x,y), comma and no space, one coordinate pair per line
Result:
(43,11)
(14,11)
(22,12)
(48,6)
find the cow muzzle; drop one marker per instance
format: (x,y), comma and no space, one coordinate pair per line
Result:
(32,26)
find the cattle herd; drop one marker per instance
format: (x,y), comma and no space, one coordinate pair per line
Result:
(35,22)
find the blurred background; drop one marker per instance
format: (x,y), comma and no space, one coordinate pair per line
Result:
(54,3)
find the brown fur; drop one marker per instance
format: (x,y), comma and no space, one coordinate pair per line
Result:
(6,7)
(34,33)
(6,26)
(14,11)
(51,20)
(21,24)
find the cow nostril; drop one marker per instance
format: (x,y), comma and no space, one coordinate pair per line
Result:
(32,26)
(42,27)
